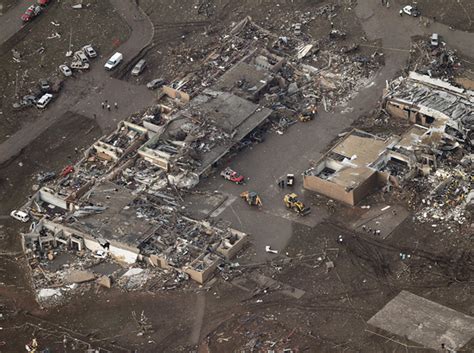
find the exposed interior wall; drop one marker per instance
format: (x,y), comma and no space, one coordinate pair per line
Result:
(368,186)
(326,188)
(47,195)
(230,250)
(201,276)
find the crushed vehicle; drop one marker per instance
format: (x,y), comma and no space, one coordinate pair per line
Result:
(30,13)
(291,201)
(67,170)
(80,56)
(232,175)
(79,65)
(411,11)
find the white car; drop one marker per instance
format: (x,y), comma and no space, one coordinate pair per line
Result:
(44,100)
(434,40)
(411,11)
(113,61)
(80,56)
(66,71)
(20,215)
(100,254)
(90,52)
(139,67)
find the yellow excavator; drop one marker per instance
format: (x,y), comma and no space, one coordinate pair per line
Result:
(291,201)
(252,198)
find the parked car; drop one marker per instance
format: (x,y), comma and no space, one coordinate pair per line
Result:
(20,215)
(411,11)
(80,56)
(90,52)
(31,12)
(434,40)
(139,67)
(66,71)
(44,85)
(100,254)
(113,61)
(232,175)
(44,100)
(156,83)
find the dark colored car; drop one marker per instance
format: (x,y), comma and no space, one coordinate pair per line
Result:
(156,83)
(44,85)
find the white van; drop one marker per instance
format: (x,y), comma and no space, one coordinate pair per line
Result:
(44,100)
(113,61)
(20,215)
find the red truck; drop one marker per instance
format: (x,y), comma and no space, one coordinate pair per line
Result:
(30,13)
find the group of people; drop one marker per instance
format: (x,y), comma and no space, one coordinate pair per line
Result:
(106,104)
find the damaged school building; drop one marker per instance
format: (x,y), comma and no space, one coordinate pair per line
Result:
(362,163)
(124,198)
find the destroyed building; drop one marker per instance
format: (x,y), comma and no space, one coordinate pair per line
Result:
(131,229)
(362,163)
(203,132)
(433,103)
(114,200)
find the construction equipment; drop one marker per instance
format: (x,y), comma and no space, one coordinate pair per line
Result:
(291,201)
(308,114)
(290,179)
(252,198)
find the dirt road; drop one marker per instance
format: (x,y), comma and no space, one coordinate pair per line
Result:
(84,94)
(10,22)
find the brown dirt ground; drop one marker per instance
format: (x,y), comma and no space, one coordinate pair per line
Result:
(332,316)
(81,27)
(5,5)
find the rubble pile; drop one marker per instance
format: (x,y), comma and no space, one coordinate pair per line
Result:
(435,61)
(141,176)
(447,197)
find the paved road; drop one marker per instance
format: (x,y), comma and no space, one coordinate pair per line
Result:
(292,152)
(84,93)
(10,22)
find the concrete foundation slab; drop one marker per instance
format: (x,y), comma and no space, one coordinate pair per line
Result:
(381,218)
(424,322)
